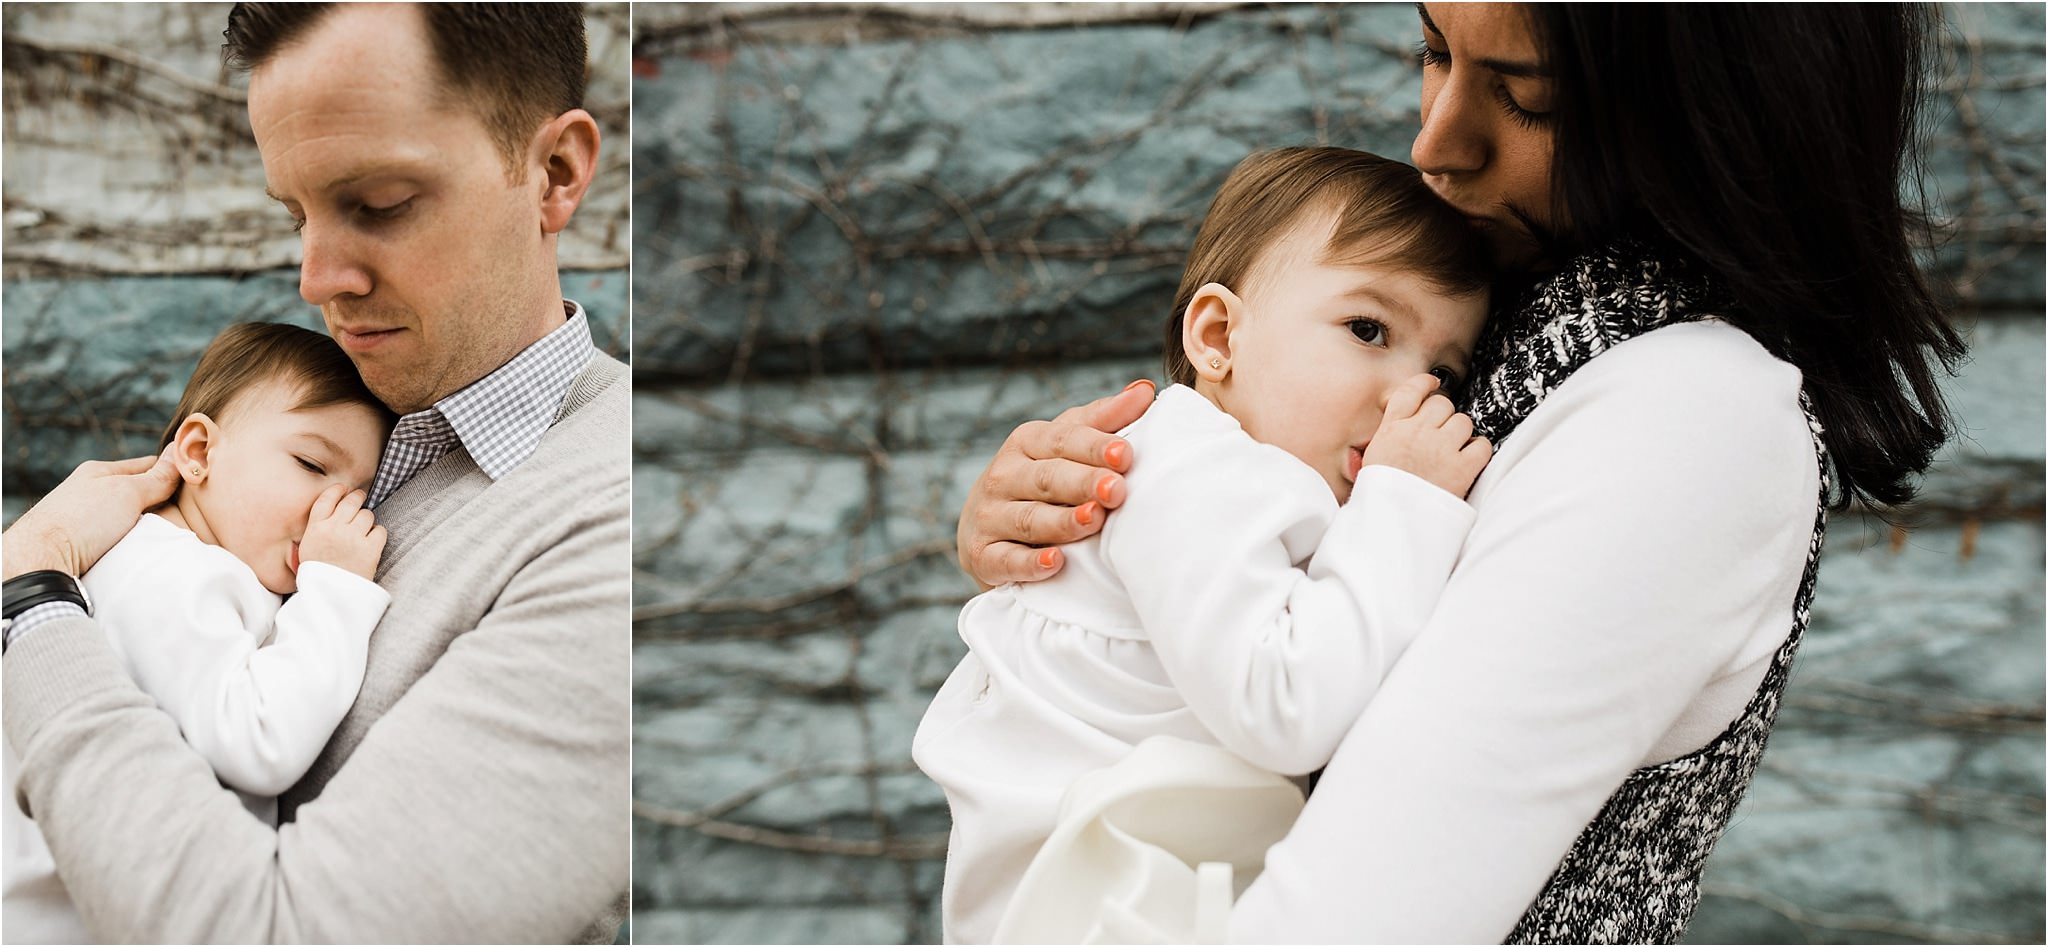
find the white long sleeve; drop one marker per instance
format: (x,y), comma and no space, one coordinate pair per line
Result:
(1274,652)
(1638,546)
(255,688)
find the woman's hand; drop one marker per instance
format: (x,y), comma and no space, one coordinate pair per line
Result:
(1051,482)
(71,527)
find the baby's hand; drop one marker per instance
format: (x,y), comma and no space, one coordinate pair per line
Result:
(341,533)
(1422,434)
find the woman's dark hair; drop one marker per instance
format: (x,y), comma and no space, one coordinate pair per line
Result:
(1771,142)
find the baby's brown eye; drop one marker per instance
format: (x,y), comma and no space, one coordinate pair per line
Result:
(1446,380)
(1369,331)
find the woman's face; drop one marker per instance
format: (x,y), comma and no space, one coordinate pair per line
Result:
(1485,144)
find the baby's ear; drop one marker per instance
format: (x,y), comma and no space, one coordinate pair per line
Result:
(192,446)
(1205,331)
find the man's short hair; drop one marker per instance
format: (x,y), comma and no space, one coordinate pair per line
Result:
(1385,215)
(518,64)
(247,354)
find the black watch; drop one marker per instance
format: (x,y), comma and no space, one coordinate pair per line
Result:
(29,590)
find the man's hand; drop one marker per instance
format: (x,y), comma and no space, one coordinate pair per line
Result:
(1422,434)
(71,527)
(1051,482)
(340,532)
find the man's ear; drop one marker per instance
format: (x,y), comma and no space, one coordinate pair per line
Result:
(1205,331)
(191,447)
(566,152)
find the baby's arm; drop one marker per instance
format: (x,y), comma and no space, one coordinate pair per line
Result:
(1275,652)
(261,715)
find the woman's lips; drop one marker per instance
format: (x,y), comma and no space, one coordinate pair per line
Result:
(1354,458)
(293,561)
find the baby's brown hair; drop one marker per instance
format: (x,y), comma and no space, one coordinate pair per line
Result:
(249,353)
(1385,214)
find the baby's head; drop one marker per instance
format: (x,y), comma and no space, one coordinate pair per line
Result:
(1322,278)
(273,415)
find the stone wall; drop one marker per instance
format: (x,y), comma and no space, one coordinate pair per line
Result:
(137,226)
(871,241)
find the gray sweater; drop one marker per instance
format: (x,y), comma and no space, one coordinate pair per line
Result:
(478,791)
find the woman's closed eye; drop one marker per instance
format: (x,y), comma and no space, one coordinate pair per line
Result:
(1429,57)
(1526,118)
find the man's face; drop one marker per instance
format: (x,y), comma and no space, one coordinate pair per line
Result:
(427,260)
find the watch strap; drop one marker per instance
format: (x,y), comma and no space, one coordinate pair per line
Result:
(41,587)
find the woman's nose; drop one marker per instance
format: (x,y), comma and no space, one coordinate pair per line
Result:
(1453,135)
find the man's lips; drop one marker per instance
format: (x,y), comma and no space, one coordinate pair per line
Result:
(363,338)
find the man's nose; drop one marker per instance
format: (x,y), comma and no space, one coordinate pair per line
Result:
(329,265)
(1453,135)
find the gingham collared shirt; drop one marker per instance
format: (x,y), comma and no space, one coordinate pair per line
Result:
(499,418)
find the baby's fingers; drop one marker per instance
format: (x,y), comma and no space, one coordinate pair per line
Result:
(349,505)
(1436,409)
(377,536)
(325,503)
(1407,398)
(1458,428)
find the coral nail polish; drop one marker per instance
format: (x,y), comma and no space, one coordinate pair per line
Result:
(1047,558)
(1103,486)
(1085,514)
(1118,454)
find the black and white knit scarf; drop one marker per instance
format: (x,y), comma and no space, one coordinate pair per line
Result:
(1633,874)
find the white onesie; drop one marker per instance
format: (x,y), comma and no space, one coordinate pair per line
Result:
(255,683)
(1230,601)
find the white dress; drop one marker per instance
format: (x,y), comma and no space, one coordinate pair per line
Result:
(1229,603)
(253,682)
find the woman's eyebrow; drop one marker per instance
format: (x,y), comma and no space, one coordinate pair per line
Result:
(1427,23)
(1520,70)
(1506,67)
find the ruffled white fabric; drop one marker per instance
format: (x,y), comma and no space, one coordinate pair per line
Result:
(1152,850)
